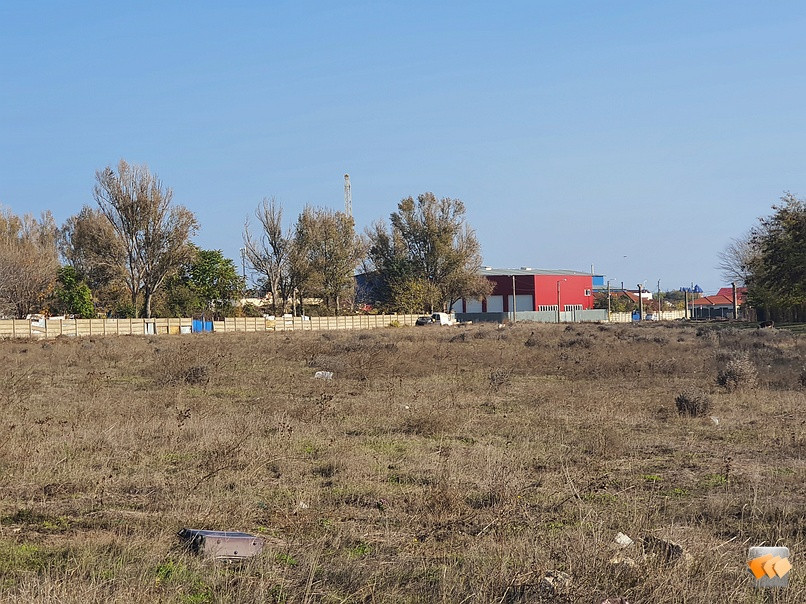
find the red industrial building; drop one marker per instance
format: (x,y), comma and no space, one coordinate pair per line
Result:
(535,290)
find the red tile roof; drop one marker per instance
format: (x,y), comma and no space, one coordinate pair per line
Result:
(741,293)
(717,300)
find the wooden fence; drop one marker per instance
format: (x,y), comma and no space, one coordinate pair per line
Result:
(53,328)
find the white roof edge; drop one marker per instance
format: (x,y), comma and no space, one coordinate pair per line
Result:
(535,271)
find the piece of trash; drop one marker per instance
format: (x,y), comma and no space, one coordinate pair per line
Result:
(229,546)
(618,600)
(623,561)
(301,506)
(555,582)
(323,375)
(623,540)
(715,420)
(668,552)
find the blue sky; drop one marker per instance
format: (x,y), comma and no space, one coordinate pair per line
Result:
(638,137)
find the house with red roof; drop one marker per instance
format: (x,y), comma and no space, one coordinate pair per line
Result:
(718,306)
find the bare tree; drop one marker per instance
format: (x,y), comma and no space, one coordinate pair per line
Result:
(269,251)
(154,236)
(28,262)
(737,258)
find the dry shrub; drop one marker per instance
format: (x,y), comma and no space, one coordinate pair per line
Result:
(579,341)
(16,384)
(693,402)
(500,378)
(739,373)
(186,364)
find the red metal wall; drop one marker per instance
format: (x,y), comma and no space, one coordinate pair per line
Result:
(572,290)
(544,289)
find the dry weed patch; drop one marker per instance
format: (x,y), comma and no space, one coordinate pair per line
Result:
(473,464)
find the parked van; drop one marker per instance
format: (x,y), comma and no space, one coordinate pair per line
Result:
(442,318)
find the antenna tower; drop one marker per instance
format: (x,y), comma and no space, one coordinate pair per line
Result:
(348,196)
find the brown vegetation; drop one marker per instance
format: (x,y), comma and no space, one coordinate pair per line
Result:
(431,468)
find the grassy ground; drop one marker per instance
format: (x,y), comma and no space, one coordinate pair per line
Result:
(439,465)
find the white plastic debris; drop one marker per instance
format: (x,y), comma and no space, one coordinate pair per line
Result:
(323,375)
(623,540)
(715,420)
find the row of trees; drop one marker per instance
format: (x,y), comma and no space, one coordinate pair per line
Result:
(770,259)
(131,254)
(426,258)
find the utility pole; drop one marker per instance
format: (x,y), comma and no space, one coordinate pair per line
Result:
(558,299)
(608,299)
(640,303)
(243,265)
(659,309)
(514,303)
(735,302)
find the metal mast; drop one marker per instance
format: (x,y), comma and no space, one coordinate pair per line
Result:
(348,196)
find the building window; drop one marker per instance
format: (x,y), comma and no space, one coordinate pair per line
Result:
(546,308)
(587,292)
(571,307)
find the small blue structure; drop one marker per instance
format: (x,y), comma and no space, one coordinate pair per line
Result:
(200,326)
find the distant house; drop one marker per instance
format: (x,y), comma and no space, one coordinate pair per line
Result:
(646,295)
(718,306)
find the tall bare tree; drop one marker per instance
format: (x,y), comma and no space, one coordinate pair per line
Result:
(28,262)
(736,259)
(153,234)
(269,251)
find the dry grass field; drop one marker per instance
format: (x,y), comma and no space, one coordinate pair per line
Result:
(438,465)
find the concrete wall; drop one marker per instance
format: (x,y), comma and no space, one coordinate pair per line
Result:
(579,316)
(53,328)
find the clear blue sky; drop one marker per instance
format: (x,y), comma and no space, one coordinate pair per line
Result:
(635,136)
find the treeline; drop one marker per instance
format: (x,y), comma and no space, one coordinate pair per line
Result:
(770,259)
(131,254)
